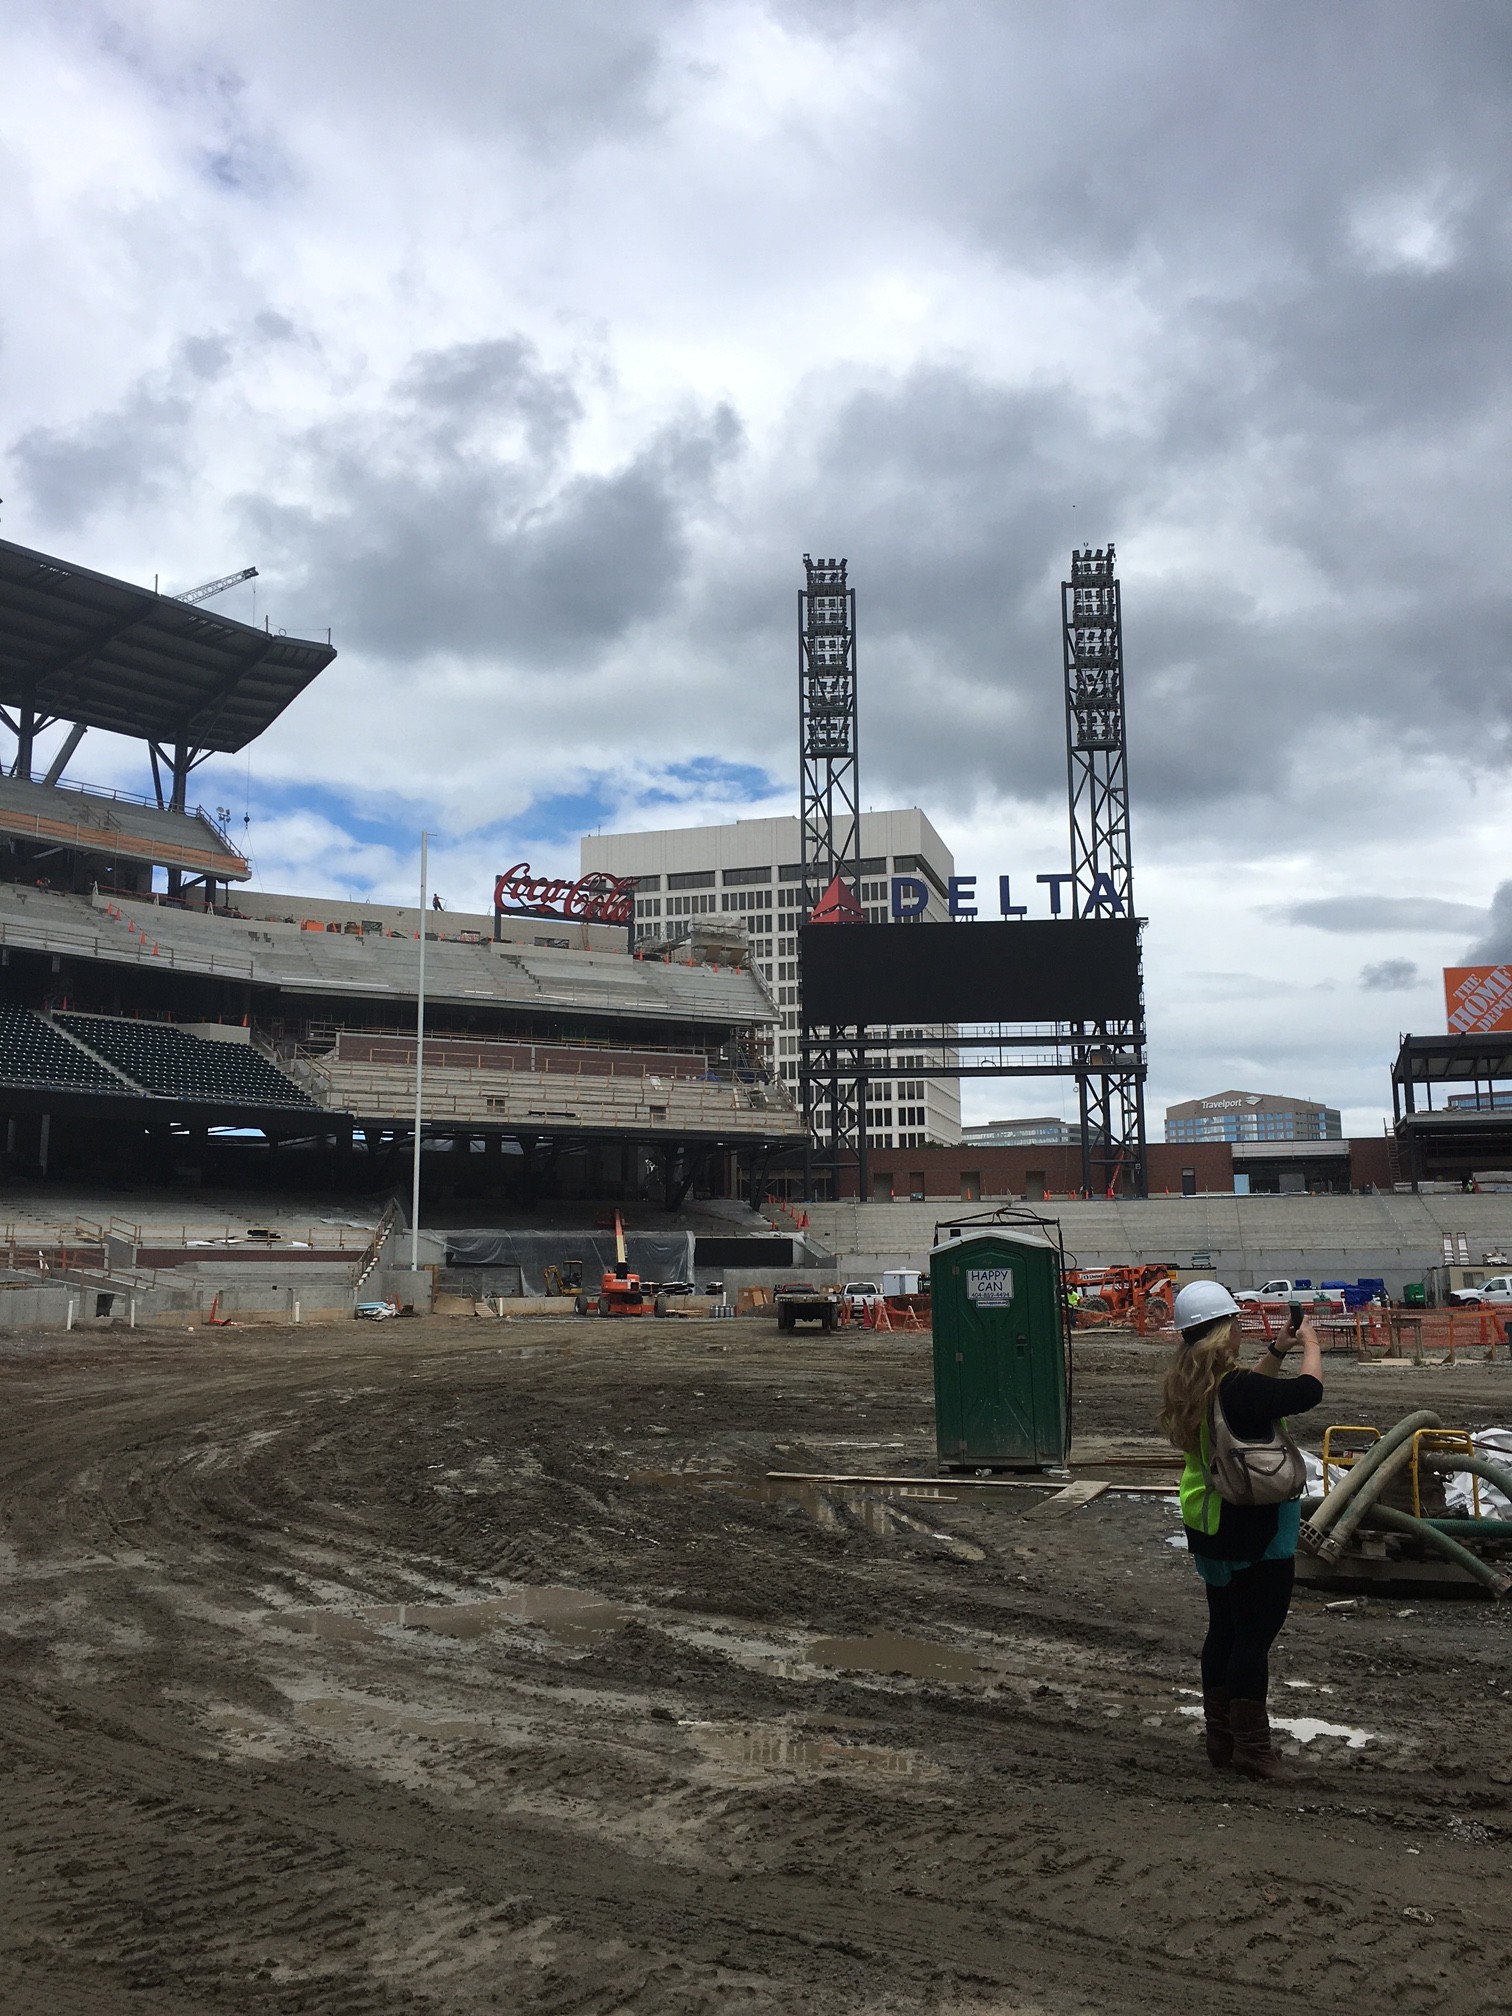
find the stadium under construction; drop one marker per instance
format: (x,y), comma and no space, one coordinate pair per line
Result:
(194,1031)
(163,1023)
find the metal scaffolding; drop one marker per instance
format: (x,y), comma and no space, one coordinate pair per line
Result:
(1109,1058)
(829,822)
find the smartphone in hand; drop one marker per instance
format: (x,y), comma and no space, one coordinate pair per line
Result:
(1296,1312)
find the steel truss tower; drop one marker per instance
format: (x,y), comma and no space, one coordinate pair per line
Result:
(1109,1056)
(829,816)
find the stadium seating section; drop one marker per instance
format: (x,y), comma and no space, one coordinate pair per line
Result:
(33,1053)
(174,1064)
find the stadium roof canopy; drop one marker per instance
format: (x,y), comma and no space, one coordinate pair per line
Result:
(79,646)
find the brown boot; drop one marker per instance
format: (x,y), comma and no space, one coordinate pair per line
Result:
(1215,1717)
(1254,1754)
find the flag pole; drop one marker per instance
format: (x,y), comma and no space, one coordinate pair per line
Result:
(419,1065)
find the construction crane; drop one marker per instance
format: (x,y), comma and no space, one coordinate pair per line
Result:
(208,588)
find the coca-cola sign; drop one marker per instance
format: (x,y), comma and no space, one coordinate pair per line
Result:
(595,898)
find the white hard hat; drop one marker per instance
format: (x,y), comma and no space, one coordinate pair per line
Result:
(1202,1302)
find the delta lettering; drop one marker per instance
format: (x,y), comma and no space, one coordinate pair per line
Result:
(910,897)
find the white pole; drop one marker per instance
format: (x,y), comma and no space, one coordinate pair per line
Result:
(419,1066)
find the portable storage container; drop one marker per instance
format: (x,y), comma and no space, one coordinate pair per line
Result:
(1002,1350)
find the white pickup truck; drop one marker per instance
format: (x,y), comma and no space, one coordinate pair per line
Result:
(1278,1293)
(1493,1293)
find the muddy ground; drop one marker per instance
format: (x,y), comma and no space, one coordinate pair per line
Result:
(463,1667)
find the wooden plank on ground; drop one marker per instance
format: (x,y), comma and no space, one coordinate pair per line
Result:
(958,1482)
(1080,1491)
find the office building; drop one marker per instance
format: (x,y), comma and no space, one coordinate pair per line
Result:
(750,873)
(1252,1116)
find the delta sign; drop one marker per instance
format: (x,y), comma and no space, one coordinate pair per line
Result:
(910,897)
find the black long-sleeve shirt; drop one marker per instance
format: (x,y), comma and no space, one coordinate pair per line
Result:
(1252,1404)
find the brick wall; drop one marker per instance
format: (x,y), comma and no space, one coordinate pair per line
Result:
(1000,1172)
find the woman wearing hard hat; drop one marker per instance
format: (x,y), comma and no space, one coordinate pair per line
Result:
(1240,1494)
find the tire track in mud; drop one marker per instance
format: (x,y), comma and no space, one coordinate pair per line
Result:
(600,1863)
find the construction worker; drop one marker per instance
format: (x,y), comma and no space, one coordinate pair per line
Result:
(1245,1553)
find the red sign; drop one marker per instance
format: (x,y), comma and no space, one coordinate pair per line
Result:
(595,898)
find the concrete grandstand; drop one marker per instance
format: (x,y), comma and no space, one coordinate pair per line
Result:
(160,1020)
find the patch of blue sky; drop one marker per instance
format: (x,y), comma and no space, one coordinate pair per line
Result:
(710,776)
(562,817)
(360,840)
(381,820)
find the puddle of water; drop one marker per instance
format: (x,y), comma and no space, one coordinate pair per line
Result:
(573,1617)
(327,1624)
(1306,1727)
(780,1750)
(888,1652)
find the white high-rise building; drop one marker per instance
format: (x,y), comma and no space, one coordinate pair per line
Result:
(750,873)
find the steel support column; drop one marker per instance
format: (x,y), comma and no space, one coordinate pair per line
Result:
(829,825)
(1111,1064)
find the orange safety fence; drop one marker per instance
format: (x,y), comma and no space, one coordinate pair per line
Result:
(1395,1333)
(902,1312)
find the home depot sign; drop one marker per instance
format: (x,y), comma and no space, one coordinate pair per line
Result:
(1478,1000)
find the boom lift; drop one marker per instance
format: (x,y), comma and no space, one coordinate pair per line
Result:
(622,1291)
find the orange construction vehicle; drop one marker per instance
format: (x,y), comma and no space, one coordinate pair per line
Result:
(622,1292)
(1138,1296)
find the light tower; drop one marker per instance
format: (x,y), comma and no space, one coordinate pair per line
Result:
(829,818)
(1109,1056)
(830,810)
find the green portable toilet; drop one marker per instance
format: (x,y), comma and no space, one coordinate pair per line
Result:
(1002,1355)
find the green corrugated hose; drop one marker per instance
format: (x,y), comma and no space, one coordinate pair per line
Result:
(1446,1460)
(1315,1530)
(1494,1580)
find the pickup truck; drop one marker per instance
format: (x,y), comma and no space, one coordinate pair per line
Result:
(1278,1293)
(801,1302)
(1496,1292)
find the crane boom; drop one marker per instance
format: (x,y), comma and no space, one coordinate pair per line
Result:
(208,588)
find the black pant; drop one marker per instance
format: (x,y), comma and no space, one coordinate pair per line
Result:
(1244,1617)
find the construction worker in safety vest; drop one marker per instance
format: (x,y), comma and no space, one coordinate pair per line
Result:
(1244,1553)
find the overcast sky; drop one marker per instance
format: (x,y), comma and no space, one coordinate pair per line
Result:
(529,347)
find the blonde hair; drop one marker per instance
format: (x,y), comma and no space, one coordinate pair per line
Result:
(1202,1358)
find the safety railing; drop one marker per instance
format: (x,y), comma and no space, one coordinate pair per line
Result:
(372,1253)
(98,837)
(138,951)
